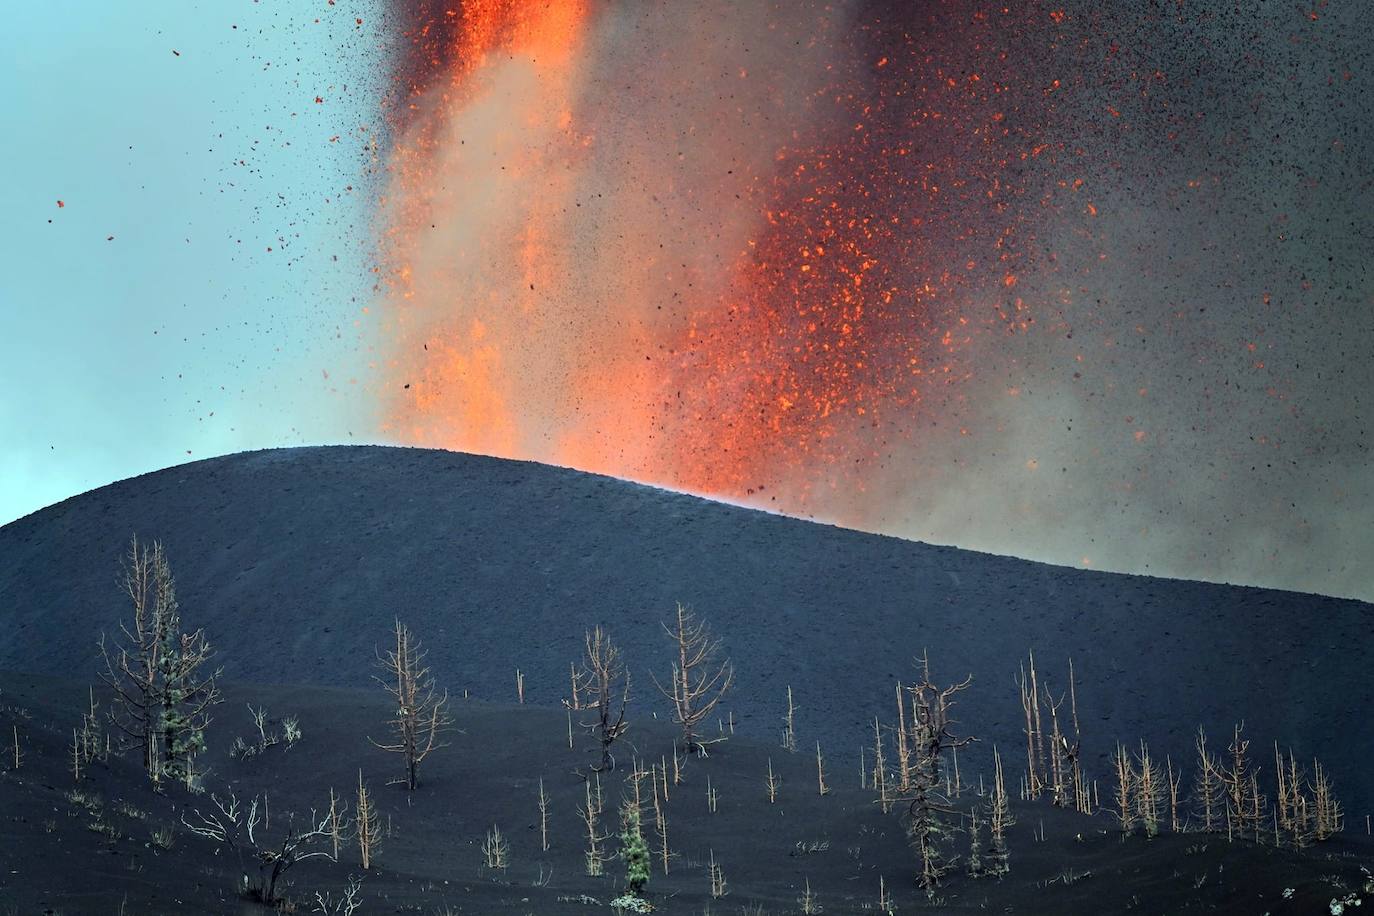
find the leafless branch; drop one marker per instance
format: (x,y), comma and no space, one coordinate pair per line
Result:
(421,711)
(698,683)
(602,677)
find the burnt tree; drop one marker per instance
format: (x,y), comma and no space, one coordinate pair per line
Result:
(421,710)
(931,738)
(163,688)
(698,682)
(605,683)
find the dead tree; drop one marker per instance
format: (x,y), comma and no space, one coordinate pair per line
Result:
(369,824)
(1149,791)
(1305,808)
(90,743)
(999,819)
(698,682)
(1328,815)
(1245,806)
(1035,735)
(789,724)
(1073,753)
(932,736)
(338,822)
(1056,767)
(880,768)
(595,857)
(236,828)
(1173,782)
(1125,788)
(1059,751)
(1207,785)
(1291,807)
(603,686)
(903,739)
(163,687)
(421,713)
(348,902)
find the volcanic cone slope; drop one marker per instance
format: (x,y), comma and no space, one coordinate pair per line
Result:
(297,560)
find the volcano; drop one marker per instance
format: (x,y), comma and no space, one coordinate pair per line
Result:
(295,562)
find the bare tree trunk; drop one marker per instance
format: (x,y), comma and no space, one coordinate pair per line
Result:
(602,677)
(421,711)
(932,736)
(698,683)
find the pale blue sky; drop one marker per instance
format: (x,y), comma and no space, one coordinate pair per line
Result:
(115,353)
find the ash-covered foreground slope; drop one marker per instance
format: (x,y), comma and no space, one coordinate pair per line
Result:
(296,560)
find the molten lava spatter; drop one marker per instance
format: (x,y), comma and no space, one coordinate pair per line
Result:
(485,106)
(891,234)
(848,219)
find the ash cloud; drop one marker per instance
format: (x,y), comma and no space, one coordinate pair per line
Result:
(1193,402)
(1179,201)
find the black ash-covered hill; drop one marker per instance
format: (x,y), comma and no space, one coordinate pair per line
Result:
(296,560)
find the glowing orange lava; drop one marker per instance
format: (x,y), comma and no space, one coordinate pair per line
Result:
(509,85)
(737,280)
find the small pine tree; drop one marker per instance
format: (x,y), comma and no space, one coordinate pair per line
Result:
(975,848)
(157,672)
(635,851)
(183,734)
